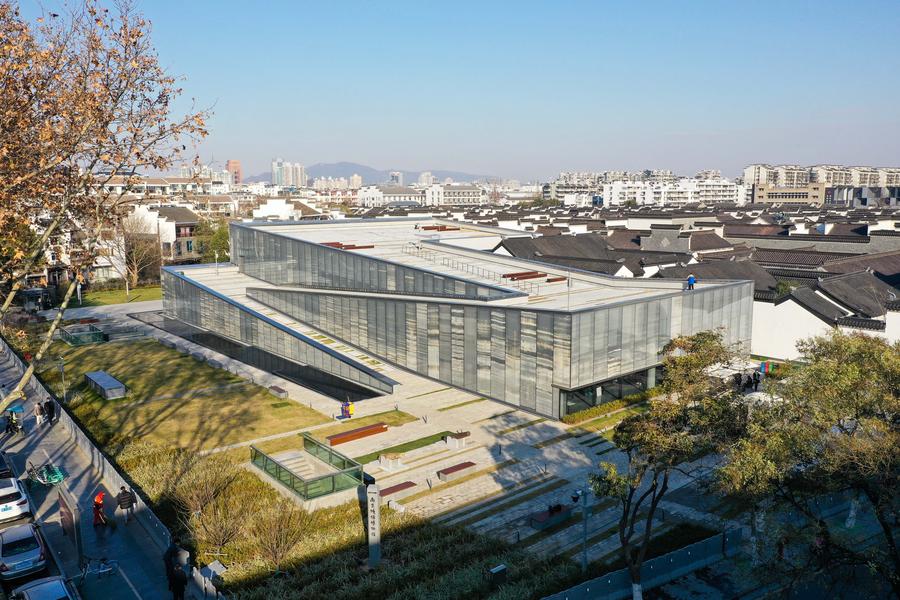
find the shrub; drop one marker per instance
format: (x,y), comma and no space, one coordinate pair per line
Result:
(607,407)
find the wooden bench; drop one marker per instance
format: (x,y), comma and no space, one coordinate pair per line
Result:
(396,488)
(549,518)
(277,391)
(456,471)
(356,434)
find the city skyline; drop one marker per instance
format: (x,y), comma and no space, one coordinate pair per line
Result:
(528,93)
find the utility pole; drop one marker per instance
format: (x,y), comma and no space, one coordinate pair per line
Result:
(217,263)
(576,496)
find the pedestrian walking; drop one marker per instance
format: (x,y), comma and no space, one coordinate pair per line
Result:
(38,414)
(179,583)
(170,556)
(691,281)
(756,379)
(49,411)
(99,515)
(125,500)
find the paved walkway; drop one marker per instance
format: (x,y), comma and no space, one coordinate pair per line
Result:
(141,574)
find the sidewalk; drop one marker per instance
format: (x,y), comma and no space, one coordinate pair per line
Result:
(141,574)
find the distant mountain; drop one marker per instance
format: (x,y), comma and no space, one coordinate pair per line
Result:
(372,176)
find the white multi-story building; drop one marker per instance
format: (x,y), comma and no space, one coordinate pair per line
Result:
(382,195)
(456,194)
(681,191)
(356,181)
(830,175)
(788,176)
(426,178)
(395,178)
(330,183)
(780,175)
(865,177)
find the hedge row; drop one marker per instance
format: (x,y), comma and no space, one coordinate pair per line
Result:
(607,407)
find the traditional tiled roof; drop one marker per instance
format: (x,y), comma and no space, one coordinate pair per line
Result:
(862,292)
(725,269)
(795,257)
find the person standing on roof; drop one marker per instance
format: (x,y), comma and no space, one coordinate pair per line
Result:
(691,281)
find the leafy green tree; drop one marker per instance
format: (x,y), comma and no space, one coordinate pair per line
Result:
(696,415)
(212,237)
(834,429)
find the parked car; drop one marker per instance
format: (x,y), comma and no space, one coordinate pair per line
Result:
(13,500)
(48,588)
(22,551)
(6,467)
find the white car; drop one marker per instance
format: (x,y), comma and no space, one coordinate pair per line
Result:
(13,500)
(48,588)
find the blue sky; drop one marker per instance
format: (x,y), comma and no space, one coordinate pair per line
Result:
(525,89)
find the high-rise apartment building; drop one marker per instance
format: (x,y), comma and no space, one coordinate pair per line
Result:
(356,181)
(425,178)
(396,178)
(288,174)
(234,167)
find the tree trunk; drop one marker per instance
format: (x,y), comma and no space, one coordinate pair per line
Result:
(850,523)
(18,391)
(757,524)
(637,592)
(17,285)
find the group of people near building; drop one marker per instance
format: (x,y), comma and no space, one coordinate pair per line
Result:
(747,381)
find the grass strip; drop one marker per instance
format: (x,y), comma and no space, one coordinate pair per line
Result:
(553,440)
(520,426)
(593,539)
(608,422)
(470,506)
(404,447)
(555,484)
(391,418)
(443,486)
(573,518)
(443,389)
(436,460)
(461,404)
(600,440)
(508,412)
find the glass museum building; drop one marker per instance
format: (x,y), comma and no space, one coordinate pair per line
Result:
(309,300)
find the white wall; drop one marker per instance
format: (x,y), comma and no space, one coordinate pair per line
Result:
(778,328)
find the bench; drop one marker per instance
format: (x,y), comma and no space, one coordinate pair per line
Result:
(456,440)
(456,471)
(548,518)
(356,434)
(277,391)
(396,488)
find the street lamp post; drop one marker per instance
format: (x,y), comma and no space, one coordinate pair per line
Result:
(576,496)
(217,262)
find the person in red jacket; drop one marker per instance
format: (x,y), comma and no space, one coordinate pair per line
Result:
(99,516)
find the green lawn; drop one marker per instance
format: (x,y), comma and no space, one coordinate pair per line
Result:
(406,447)
(466,403)
(173,399)
(391,418)
(105,297)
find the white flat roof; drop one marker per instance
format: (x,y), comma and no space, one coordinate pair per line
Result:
(455,252)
